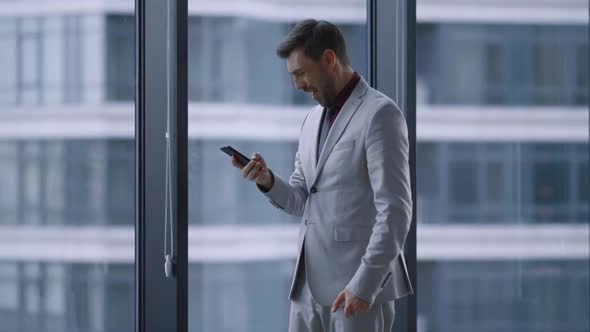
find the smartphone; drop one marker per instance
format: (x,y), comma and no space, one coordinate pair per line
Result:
(231,151)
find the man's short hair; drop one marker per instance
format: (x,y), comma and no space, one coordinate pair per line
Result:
(314,37)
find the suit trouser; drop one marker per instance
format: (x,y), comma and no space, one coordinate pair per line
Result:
(309,316)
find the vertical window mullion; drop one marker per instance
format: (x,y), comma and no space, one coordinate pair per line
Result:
(392,70)
(161,303)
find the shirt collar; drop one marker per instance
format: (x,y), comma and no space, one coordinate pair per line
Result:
(345,93)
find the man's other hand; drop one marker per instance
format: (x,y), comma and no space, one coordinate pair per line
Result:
(256,170)
(352,304)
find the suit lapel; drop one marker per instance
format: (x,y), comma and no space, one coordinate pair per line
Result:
(348,109)
(317,121)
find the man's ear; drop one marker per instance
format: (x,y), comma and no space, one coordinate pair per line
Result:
(329,58)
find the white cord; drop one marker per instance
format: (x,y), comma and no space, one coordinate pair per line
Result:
(168,215)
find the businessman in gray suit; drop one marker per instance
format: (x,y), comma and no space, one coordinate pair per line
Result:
(350,186)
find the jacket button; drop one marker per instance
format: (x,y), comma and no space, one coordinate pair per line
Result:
(313,190)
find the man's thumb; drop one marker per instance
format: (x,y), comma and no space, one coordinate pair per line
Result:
(339,300)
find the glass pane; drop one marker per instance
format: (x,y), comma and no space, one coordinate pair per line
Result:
(29,56)
(8,43)
(66,169)
(242,249)
(503,223)
(496,63)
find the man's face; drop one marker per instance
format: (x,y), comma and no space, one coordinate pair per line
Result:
(312,76)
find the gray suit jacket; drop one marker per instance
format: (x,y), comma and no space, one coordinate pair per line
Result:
(355,204)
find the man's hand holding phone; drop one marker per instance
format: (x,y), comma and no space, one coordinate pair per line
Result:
(255,170)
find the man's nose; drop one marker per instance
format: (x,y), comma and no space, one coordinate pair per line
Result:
(300,85)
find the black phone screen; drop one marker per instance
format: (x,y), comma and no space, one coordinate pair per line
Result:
(231,151)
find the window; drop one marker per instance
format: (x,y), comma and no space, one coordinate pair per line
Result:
(464,189)
(73,31)
(120,64)
(495,179)
(8,43)
(502,245)
(241,248)
(582,74)
(550,180)
(502,64)
(481,184)
(29,50)
(66,175)
(495,69)
(502,294)
(583,182)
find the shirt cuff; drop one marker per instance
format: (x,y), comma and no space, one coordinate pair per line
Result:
(264,190)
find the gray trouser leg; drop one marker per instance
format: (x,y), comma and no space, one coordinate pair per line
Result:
(309,316)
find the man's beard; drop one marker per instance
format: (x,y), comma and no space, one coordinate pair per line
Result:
(328,92)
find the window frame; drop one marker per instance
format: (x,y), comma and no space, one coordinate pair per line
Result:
(397,79)
(161,304)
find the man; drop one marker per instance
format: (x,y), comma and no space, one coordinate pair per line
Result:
(351,187)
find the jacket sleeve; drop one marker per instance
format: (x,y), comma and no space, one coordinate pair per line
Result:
(289,196)
(387,150)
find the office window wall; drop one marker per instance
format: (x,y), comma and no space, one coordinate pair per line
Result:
(66,173)
(502,235)
(502,213)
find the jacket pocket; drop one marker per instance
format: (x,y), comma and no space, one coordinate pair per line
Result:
(344,145)
(352,233)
